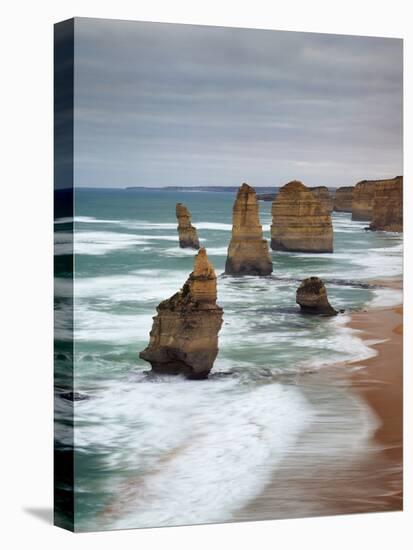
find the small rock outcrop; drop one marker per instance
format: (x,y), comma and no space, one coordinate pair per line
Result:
(388,206)
(343,199)
(299,221)
(184,335)
(312,298)
(188,237)
(248,252)
(363,197)
(323,194)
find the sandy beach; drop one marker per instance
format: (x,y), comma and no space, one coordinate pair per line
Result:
(381,385)
(322,476)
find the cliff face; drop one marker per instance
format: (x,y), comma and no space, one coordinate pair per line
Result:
(324,196)
(299,221)
(388,206)
(312,297)
(248,252)
(184,335)
(188,237)
(343,199)
(363,197)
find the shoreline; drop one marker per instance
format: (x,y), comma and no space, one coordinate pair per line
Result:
(380,383)
(368,478)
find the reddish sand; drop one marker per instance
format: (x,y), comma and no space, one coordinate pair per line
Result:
(381,383)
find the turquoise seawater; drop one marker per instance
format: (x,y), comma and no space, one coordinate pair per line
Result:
(167,451)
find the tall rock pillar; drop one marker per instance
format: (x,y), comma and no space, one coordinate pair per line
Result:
(184,335)
(248,252)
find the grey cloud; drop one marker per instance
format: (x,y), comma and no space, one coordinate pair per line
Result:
(160,104)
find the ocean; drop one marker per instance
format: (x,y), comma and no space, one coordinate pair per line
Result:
(156,451)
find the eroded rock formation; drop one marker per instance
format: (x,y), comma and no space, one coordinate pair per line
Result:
(188,237)
(388,206)
(299,221)
(184,335)
(343,199)
(312,298)
(324,196)
(248,252)
(363,197)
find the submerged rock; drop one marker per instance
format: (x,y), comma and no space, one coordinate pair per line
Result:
(323,194)
(74,396)
(188,237)
(248,252)
(311,296)
(184,335)
(388,206)
(299,221)
(343,199)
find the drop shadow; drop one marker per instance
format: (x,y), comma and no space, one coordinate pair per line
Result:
(44,514)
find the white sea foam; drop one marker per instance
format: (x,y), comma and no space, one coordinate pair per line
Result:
(97,243)
(214,226)
(216,451)
(136,286)
(176,251)
(211,251)
(343,344)
(143,224)
(103,326)
(63,220)
(86,219)
(359,264)
(386,297)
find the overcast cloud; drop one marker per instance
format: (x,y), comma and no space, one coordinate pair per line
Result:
(164,104)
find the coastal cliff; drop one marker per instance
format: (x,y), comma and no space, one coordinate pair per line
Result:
(343,199)
(324,196)
(188,237)
(299,221)
(363,197)
(365,193)
(184,335)
(312,298)
(248,252)
(388,206)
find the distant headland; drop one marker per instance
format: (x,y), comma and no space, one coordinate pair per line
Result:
(216,188)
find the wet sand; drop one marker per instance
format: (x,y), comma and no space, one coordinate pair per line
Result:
(351,461)
(381,385)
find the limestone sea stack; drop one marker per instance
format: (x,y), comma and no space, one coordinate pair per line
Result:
(343,199)
(184,335)
(312,298)
(248,252)
(324,196)
(363,197)
(299,221)
(188,237)
(388,206)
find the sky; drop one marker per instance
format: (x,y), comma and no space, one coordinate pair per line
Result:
(164,104)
